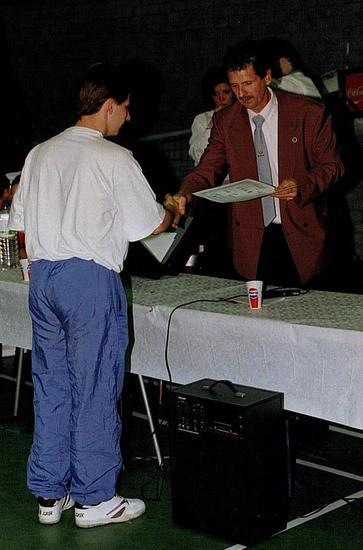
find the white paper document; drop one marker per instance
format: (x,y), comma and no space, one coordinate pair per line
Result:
(244,190)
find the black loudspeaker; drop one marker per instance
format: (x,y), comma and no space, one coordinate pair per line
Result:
(229,465)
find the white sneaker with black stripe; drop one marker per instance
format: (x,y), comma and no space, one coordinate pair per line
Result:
(115,510)
(50,509)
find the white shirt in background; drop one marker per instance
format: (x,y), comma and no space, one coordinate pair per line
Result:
(200,135)
(297,83)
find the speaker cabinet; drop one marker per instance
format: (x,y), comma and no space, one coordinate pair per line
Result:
(229,466)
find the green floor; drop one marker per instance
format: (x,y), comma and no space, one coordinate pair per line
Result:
(340,529)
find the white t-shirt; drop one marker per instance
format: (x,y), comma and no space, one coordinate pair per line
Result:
(83,196)
(297,83)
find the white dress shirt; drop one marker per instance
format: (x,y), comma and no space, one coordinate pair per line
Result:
(270,131)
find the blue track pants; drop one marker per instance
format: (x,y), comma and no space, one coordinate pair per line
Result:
(80,335)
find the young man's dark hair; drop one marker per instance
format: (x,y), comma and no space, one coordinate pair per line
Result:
(243,54)
(276,48)
(99,83)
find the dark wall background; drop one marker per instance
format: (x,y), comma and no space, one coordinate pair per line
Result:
(170,44)
(44,44)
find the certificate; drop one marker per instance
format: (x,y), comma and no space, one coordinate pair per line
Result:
(244,190)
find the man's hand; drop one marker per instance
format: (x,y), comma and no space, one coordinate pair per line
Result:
(287,190)
(178,204)
(170,212)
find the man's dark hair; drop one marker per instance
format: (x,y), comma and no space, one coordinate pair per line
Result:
(243,54)
(101,82)
(277,48)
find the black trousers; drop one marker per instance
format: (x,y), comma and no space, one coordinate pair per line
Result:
(275,265)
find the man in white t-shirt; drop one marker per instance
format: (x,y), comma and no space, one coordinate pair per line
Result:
(80,201)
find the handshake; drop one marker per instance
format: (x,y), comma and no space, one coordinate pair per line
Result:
(177,205)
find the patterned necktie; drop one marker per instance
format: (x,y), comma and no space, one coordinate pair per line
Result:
(264,169)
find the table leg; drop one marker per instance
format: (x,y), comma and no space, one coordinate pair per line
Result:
(18,381)
(150,420)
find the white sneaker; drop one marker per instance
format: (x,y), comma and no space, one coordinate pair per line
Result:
(115,510)
(50,510)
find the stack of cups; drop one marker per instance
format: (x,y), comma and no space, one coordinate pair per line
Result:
(254,290)
(9,249)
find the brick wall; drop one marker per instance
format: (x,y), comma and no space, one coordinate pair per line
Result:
(45,43)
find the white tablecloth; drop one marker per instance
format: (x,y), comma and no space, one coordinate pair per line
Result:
(309,347)
(15,324)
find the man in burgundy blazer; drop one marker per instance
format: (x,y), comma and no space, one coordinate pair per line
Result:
(308,166)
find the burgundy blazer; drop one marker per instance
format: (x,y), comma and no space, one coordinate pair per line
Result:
(307,151)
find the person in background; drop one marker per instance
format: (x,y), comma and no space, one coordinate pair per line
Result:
(212,252)
(217,92)
(81,200)
(286,69)
(21,238)
(5,193)
(14,186)
(285,240)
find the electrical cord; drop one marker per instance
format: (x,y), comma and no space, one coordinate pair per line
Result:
(215,300)
(314,511)
(272,293)
(278,292)
(159,476)
(347,500)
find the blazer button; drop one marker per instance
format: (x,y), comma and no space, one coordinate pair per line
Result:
(305,224)
(238,224)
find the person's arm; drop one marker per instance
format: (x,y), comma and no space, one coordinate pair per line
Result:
(326,167)
(16,217)
(212,167)
(210,170)
(170,214)
(142,215)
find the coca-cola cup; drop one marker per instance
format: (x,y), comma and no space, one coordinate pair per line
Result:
(254,290)
(25,265)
